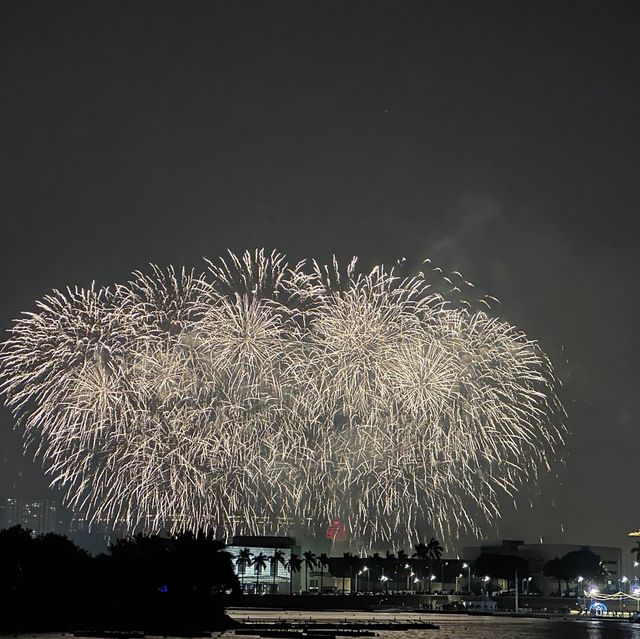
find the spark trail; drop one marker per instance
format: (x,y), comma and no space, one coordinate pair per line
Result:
(259,393)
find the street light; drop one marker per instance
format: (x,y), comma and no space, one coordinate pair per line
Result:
(592,592)
(362,570)
(623,581)
(468,567)
(442,567)
(636,592)
(485,580)
(579,588)
(408,567)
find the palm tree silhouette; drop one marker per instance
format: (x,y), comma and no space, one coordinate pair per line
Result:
(293,565)
(243,560)
(260,563)
(428,552)
(323,562)
(276,559)
(423,555)
(390,564)
(402,561)
(378,563)
(348,561)
(435,551)
(309,563)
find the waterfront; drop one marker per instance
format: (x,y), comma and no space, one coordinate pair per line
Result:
(463,626)
(452,626)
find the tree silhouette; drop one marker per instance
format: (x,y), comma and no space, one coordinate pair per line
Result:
(434,549)
(143,580)
(323,562)
(390,568)
(403,559)
(347,563)
(555,569)
(260,563)
(293,565)
(275,560)
(574,564)
(243,561)
(309,560)
(378,563)
(422,554)
(186,565)
(199,562)
(434,553)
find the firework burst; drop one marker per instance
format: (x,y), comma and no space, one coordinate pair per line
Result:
(258,393)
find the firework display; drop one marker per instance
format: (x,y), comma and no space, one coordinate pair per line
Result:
(259,393)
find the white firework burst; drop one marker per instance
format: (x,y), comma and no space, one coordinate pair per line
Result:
(258,392)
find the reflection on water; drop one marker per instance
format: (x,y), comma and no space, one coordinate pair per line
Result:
(465,627)
(451,626)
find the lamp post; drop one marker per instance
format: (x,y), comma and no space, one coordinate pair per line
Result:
(468,567)
(636,592)
(623,581)
(592,592)
(485,581)
(442,567)
(360,572)
(579,587)
(458,577)
(431,580)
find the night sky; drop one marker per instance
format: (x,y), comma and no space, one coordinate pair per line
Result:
(498,138)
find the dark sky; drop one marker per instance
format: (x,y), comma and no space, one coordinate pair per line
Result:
(499,138)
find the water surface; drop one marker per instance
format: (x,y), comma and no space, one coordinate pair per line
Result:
(464,626)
